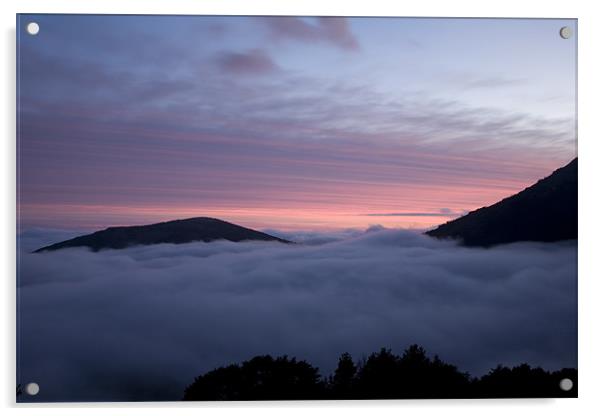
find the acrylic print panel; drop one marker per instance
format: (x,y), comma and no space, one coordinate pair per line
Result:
(273,208)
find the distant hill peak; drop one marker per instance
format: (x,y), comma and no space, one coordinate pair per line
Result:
(545,211)
(175,232)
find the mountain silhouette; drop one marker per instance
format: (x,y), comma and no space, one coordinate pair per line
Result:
(545,211)
(175,232)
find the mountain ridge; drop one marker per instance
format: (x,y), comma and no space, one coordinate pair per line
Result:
(545,211)
(180,231)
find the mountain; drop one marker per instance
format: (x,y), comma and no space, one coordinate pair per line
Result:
(545,211)
(176,232)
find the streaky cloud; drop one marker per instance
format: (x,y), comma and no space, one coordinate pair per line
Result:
(413,214)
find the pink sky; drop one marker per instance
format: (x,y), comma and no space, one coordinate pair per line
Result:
(296,123)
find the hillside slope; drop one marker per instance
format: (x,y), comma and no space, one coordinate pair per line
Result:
(545,211)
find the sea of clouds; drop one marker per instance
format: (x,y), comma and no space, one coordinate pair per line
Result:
(141,323)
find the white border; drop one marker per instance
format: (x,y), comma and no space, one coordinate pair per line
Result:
(590,119)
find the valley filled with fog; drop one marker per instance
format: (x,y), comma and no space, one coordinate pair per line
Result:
(142,322)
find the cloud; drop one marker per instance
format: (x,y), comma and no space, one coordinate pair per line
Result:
(141,323)
(255,61)
(315,238)
(464,80)
(494,82)
(333,30)
(443,212)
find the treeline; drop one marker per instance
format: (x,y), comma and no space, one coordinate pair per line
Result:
(383,375)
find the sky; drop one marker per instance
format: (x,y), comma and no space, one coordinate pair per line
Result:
(287,123)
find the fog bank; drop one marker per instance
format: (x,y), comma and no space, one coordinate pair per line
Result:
(141,323)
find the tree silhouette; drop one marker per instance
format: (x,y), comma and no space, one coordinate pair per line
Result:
(383,375)
(261,378)
(378,377)
(524,381)
(342,384)
(414,375)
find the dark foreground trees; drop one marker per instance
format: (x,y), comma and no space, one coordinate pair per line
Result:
(261,378)
(383,375)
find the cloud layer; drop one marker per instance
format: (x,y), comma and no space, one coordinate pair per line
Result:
(141,323)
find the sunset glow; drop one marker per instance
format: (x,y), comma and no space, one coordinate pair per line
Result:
(302,123)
